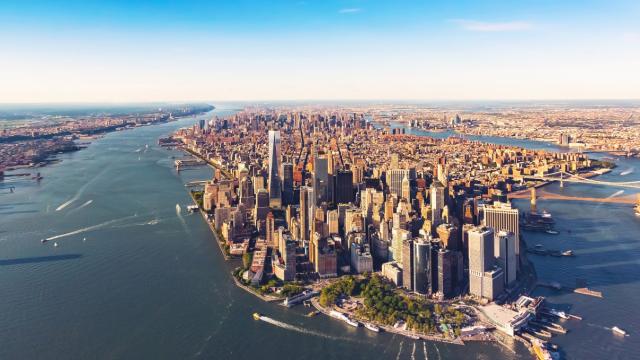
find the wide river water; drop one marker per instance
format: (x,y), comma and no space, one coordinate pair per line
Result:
(133,278)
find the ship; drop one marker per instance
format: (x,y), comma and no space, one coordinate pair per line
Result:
(372,327)
(256,316)
(616,330)
(340,316)
(587,291)
(192,208)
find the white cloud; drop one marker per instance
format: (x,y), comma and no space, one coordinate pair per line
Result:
(349,10)
(482,26)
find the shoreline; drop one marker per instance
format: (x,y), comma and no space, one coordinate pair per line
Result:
(88,136)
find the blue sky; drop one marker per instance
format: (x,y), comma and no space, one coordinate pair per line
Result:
(129,51)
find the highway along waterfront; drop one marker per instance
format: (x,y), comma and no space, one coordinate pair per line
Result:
(133,278)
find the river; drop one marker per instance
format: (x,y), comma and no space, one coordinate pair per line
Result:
(133,279)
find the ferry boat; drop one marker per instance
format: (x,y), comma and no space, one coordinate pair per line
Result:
(256,316)
(567,253)
(616,330)
(192,208)
(372,327)
(43,240)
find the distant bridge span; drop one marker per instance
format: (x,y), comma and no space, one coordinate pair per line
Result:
(568,177)
(541,194)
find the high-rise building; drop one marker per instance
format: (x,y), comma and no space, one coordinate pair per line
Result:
(305,212)
(270,229)
(275,186)
(502,216)
(448,235)
(505,253)
(343,191)
(446,272)
(361,259)
(485,279)
(424,264)
(407,263)
(287,184)
(332,221)
(437,202)
(320,180)
(406,189)
(394,180)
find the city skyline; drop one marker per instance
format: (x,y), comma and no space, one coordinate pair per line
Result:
(70,51)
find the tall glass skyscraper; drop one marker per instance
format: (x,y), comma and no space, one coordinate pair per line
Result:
(275,186)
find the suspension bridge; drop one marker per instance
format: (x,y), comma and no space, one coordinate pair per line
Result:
(563,177)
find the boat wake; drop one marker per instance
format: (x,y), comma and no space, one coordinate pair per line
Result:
(413,351)
(627,172)
(400,350)
(284,325)
(89,228)
(80,191)
(617,193)
(424,349)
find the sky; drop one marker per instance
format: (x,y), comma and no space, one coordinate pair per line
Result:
(143,51)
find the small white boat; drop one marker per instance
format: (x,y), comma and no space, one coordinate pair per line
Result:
(44,241)
(55,244)
(560,314)
(552,232)
(616,330)
(84,239)
(178,209)
(372,327)
(352,322)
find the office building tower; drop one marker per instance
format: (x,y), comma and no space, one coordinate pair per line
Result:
(424,264)
(485,279)
(274,182)
(394,180)
(361,260)
(502,216)
(270,229)
(287,184)
(446,272)
(406,189)
(332,221)
(305,212)
(505,253)
(320,180)
(406,260)
(437,202)
(398,236)
(343,191)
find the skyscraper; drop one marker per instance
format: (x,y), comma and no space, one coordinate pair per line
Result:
(320,180)
(394,180)
(505,253)
(275,187)
(343,190)
(423,266)
(502,216)
(305,215)
(485,279)
(287,183)
(437,202)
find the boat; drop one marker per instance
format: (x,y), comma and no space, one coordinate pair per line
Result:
(372,327)
(55,244)
(552,232)
(587,291)
(192,208)
(616,330)
(178,209)
(541,350)
(256,316)
(43,240)
(340,316)
(558,313)
(352,322)
(567,253)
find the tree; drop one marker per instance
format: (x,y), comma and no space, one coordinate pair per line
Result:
(246,260)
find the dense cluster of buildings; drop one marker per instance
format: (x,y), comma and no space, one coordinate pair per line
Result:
(319,193)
